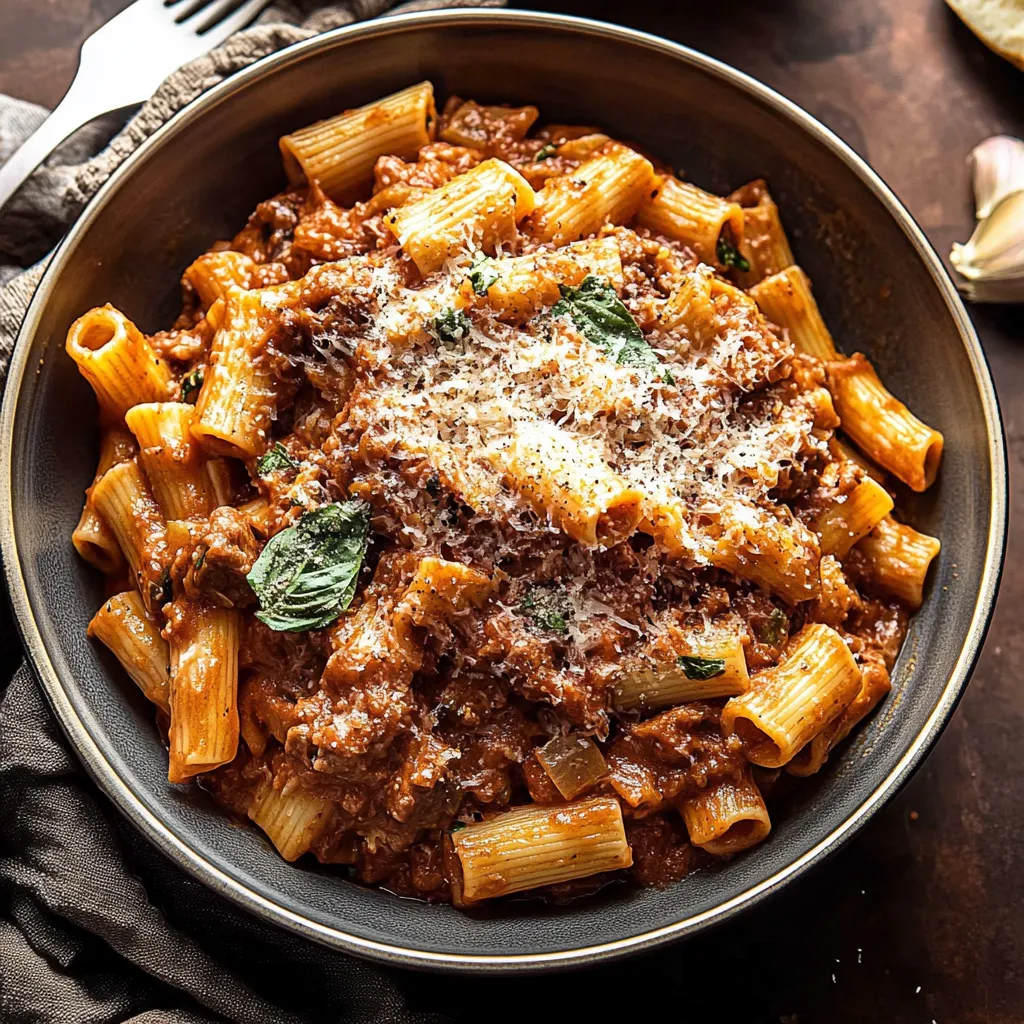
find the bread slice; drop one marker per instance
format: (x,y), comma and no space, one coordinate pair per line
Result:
(999,24)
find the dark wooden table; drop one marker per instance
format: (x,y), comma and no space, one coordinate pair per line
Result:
(921,917)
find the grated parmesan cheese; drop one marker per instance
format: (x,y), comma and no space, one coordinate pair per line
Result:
(697,443)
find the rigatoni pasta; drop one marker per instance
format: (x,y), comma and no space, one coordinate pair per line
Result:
(608,188)
(117,360)
(483,522)
(788,705)
(534,846)
(728,816)
(882,426)
(481,208)
(127,629)
(172,459)
(204,688)
(293,820)
(238,397)
(123,499)
(93,538)
(787,300)
(339,153)
(897,558)
(695,217)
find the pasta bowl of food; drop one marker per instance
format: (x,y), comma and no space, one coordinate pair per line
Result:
(483,506)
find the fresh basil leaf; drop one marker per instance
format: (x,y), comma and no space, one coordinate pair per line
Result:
(604,321)
(483,272)
(546,152)
(456,826)
(700,668)
(729,256)
(451,325)
(547,608)
(306,575)
(191,384)
(774,629)
(275,459)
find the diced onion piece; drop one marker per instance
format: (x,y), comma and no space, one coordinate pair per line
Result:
(573,762)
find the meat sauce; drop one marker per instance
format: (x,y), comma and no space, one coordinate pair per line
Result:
(419,728)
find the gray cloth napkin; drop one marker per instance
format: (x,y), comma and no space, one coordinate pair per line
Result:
(95,925)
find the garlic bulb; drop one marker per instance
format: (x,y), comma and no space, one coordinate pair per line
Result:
(998,164)
(992,261)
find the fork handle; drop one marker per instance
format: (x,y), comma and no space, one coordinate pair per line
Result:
(69,114)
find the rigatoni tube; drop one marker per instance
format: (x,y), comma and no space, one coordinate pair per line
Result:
(477,209)
(789,704)
(527,284)
(133,638)
(690,215)
(204,688)
(93,538)
(780,556)
(786,299)
(238,398)
(710,666)
(875,685)
(564,479)
(339,153)
(171,458)
(292,819)
(116,359)
(897,558)
(213,274)
(765,245)
(123,499)
(727,816)
(882,426)
(534,846)
(852,517)
(608,188)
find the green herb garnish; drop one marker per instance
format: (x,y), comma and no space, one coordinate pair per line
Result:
(456,826)
(546,152)
(548,608)
(161,590)
(700,668)
(729,256)
(191,384)
(306,575)
(604,321)
(275,459)
(451,325)
(483,272)
(774,630)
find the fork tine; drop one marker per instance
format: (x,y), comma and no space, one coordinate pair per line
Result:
(201,15)
(235,21)
(190,12)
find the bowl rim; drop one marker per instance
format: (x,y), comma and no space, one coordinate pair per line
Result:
(74,720)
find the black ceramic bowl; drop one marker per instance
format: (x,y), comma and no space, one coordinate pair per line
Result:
(882,290)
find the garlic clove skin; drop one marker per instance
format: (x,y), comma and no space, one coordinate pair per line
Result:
(998,165)
(996,249)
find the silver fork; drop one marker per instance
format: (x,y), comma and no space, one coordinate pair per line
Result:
(123,62)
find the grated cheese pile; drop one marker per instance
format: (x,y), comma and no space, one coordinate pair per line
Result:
(458,405)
